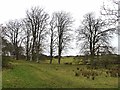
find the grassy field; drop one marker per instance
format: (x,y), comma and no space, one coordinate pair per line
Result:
(27,74)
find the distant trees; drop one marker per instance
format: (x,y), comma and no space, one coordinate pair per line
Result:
(94,34)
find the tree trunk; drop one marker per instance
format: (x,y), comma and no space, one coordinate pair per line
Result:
(51,57)
(30,57)
(37,54)
(59,50)
(59,55)
(50,60)
(27,48)
(27,53)
(59,58)
(17,54)
(37,59)
(51,49)
(27,56)
(33,49)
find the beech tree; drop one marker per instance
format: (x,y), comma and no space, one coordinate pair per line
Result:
(13,32)
(64,23)
(53,36)
(38,21)
(94,35)
(28,37)
(111,12)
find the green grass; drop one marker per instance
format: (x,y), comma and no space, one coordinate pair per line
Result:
(27,74)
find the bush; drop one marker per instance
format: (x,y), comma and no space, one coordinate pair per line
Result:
(68,63)
(104,61)
(6,61)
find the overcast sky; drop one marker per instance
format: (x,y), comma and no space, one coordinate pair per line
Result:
(12,9)
(15,9)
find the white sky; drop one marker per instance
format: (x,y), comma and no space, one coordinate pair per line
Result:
(15,9)
(12,9)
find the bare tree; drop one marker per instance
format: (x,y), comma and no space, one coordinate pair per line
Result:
(37,18)
(64,22)
(111,12)
(1,36)
(94,35)
(7,47)
(52,36)
(27,33)
(12,32)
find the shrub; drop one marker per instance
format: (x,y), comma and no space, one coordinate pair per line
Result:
(68,63)
(6,61)
(115,72)
(76,74)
